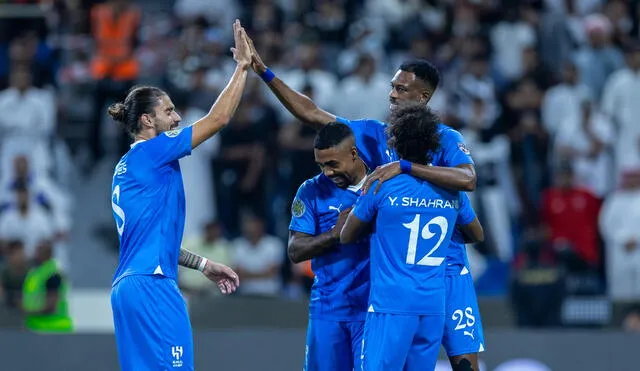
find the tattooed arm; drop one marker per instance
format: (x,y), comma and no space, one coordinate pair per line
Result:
(226,279)
(191,260)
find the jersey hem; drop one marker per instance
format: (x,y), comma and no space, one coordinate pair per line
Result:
(115,282)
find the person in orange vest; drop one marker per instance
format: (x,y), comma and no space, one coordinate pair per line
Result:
(114,27)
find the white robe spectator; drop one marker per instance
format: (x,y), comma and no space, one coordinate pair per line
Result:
(619,226)
(587,143)
(27,127)
(197,176)
(621,103)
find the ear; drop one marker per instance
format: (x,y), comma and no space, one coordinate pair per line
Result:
(145,120)
(354,153)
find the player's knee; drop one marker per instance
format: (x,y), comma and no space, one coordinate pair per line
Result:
(461,364)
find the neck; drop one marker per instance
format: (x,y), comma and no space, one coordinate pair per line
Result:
(361,173)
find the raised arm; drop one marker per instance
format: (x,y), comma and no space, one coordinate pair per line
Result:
(300,106)
(225,106)
(304,246)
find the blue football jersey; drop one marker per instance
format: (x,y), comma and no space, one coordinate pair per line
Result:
(341,286)
(148,202)
(414,221)
(371,141)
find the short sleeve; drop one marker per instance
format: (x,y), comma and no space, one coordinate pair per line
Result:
(371,141)
(169,146)
(466,214)
(303,218)
(453,151)
(365,208)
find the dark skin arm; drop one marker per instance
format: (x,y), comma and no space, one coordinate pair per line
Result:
(353,229)
(303,246)
(472,232)
(300,106)
(459,178)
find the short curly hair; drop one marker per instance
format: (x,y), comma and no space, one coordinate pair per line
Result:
(413,133)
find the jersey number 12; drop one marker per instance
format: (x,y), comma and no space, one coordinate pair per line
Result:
(426,234)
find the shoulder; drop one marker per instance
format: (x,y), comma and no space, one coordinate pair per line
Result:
(359,123)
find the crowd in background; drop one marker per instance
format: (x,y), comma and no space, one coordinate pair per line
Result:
(545,93)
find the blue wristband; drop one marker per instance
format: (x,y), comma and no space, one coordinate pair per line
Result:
(267,75)
(405,166)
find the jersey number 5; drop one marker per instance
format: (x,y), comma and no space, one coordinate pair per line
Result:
(115,199)
(426,234)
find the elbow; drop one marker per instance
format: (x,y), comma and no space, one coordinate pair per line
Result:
(292,254)
(469,184)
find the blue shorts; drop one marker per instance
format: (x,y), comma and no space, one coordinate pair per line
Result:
(463,328)
(396,342)
(152,326)
(333,345)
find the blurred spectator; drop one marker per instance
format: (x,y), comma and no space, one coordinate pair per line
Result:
(631,321)
(114,26)
(364,94)
(257,258)
(43,191)
(600,58)
(569,215)
(26,222)
(240,166)
(537,286)
(586,139)
(620,103)
(509,39)
(296,141)
(619,227)
(212,245)
(13,273)
(197,173)
(308,70)
(44,294)
(562,101)
(477,107)
(29,124)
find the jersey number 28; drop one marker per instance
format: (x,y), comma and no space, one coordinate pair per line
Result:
(426,234)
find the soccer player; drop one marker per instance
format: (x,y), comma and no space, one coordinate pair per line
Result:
(413,221)
(341,287)
(451,168)
(152,326)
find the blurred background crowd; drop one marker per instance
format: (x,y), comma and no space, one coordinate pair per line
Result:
(545,92)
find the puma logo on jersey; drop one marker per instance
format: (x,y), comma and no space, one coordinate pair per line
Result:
(470,334)
(335,208)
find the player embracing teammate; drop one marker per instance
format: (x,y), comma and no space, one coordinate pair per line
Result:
(432,255)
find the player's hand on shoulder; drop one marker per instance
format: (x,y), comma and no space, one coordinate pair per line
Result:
(226,279)
(241,51)
(342,218)
(381,174)
(256,62)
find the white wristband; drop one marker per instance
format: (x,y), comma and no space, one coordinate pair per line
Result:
(203,263)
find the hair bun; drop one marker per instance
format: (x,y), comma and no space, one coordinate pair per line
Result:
(118,111)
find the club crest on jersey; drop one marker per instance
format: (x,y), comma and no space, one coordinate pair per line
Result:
(297,208)
(464,149)
(172,133)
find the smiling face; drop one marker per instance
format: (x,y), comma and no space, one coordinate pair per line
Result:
(407,88)
(339,163)
(164,116)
